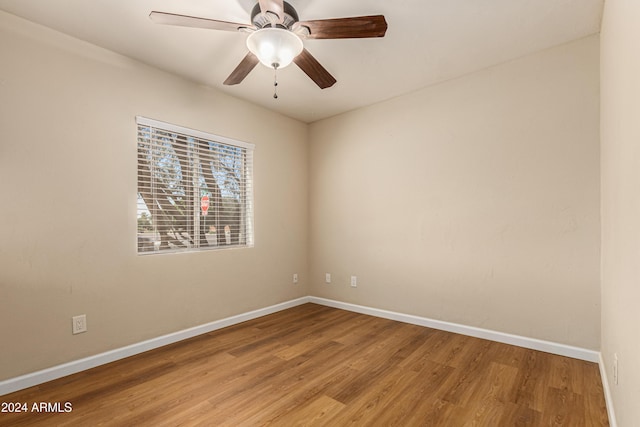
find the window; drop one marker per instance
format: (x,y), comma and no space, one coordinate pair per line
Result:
(194,190)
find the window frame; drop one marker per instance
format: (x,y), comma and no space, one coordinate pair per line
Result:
(194,138)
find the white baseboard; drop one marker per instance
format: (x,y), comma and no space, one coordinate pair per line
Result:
(18,383)
(55,372)
(607,393)
(531,343)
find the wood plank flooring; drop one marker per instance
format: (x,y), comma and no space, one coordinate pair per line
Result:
(319,366)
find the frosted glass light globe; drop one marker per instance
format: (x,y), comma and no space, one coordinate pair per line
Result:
(274,47)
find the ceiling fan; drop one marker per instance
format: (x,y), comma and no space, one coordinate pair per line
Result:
(276,34)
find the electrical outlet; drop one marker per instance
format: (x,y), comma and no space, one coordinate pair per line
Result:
(79,324)
(295,277)
(616,375)
(354,282)
(327,278)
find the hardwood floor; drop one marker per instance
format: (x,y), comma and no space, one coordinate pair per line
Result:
(314,365)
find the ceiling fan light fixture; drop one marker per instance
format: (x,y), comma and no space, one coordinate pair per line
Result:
(274,47)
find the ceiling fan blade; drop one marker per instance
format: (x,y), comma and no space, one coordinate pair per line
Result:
(314,70)
(195,22)
(345,28)
(242,70)
(273,6)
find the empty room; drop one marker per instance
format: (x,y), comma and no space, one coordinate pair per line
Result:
(327,213)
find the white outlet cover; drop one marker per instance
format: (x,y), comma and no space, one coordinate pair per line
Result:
(79,324)
(327,277)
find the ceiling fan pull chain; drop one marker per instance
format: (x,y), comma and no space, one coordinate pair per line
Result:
(275,81)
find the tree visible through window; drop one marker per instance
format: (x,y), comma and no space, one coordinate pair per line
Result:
(194,189)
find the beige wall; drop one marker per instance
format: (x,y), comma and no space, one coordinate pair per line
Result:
(620,136)
(475,201)
(68,203)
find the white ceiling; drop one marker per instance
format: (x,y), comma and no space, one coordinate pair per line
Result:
(428,41)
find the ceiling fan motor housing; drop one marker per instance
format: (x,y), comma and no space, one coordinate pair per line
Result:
(263,20)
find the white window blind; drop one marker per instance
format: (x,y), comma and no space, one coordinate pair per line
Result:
(195,190)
